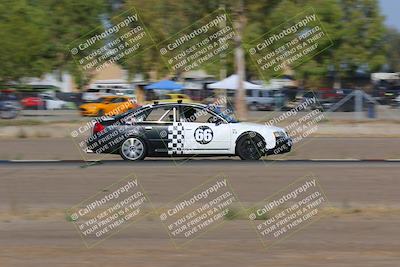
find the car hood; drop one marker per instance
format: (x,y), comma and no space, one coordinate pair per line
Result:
(91,105)
(252,125)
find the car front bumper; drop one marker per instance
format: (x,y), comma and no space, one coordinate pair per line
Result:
(89,113)
(283,145)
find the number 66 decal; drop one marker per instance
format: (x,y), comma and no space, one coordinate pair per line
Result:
(203,135)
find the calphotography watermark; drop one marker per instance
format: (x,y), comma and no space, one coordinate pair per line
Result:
(299,123)
(109,211)
(106,133)
(122,38)
(289,44)
(198,211)
(201,43)
(289,210)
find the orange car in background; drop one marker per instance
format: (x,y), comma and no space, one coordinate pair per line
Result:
(110,105)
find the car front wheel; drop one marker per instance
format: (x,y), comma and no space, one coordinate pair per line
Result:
(250,147)
(133,148)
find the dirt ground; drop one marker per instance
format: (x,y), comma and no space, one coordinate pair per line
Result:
(364,231)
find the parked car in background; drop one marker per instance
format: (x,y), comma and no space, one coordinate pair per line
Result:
(306,97)
(389,95)
(32,102)
(329,94)
(257,99)
(9,105)
(52,102)
(386,87)
(346,106)
(397,102)
(110,105)
(108,88)
(94,94)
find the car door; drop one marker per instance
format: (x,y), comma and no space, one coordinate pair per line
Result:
(111,105)
(157,122)
(204,131)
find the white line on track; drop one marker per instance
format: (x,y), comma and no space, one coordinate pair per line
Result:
(35,160)
(335,159)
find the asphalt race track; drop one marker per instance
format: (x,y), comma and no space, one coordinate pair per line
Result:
(310,148)
(34,230)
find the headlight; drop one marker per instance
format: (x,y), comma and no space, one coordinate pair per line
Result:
(279,134)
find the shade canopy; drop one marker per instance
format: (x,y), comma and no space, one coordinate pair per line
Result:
(232,83)
(164,85)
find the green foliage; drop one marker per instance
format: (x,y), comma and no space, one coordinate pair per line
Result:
(361,40)
(24,35)
(393,49)
(69,20)
(35,34)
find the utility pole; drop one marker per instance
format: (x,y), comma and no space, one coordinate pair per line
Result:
(240,101)
(223,72)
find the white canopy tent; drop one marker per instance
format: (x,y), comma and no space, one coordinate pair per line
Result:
(232,83)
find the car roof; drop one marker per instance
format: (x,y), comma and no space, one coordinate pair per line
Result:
(115,96)
(175,104)
(175,94)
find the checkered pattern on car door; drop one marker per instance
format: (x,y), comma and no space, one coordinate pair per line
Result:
(176,138)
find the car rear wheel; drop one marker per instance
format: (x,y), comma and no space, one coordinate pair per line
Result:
(250,147)
(133,148)
(9,114)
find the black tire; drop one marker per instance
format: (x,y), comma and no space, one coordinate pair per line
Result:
(250,146)
(9,114)
(133,148)
(100,113)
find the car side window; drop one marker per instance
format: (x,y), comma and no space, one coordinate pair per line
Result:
(164,114)
(194,114)
(266,94)
(118,100)
(105,100)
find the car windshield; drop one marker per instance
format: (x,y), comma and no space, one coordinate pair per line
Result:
(106,100)
(227,114)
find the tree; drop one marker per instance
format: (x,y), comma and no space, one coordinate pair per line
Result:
(68,20)
(355,27)
(35,35)
(361,44)
(393,49)
(24,36)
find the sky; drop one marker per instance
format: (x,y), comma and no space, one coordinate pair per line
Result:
(391,9)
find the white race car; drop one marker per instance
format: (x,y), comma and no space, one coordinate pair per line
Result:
(183,129)
(52,102)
